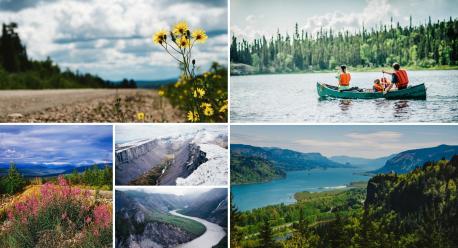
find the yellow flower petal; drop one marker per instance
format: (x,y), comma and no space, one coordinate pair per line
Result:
(199,35)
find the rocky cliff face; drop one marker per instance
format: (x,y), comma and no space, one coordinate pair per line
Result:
(188,159)
(157,234)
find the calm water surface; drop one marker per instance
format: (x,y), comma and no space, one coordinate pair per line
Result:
(251,196)
(293,98)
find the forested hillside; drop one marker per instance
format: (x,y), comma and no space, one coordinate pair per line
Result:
(409,210)
(18,71)
(426,45)
(251,169)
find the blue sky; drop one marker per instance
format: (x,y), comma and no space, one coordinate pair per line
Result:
(113,38)
(56,145)
(357,140)
(252,19)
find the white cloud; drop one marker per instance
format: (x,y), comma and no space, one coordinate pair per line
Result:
(100,37)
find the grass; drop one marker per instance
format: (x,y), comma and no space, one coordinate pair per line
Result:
(188,225)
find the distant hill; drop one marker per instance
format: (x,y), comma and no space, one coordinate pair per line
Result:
(366,163)
(250,169)
(30,170)
(286,159)
(409,160)
(154,84)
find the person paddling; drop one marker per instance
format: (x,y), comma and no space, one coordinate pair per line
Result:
(344,78)
(399,77)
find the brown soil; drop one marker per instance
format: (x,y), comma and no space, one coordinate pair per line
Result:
(86,105)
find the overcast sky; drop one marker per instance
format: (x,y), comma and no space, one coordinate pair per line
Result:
(113,38)
(56,145)
(254,18)
(359,141)
(127,133)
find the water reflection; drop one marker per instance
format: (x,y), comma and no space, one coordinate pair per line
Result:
(401,108)
(345,104)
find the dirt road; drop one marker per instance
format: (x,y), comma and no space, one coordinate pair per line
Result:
(86,105)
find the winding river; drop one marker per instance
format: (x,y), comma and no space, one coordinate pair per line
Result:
(213,234)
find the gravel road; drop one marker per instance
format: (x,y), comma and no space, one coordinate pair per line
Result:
(86,105)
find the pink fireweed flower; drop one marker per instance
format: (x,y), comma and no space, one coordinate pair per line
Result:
(61,180)
(10,215)
(88,219)
(64,215)
(102,216)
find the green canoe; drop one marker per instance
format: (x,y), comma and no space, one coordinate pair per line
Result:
(417,92)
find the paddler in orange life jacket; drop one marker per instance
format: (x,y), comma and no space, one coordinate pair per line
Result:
(399,77)
(344,78)
(378,87)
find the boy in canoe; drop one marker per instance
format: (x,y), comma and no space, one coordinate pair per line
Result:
(344,78)
(378,87)
(399,78)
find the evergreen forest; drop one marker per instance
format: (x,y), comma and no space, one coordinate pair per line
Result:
(429,45)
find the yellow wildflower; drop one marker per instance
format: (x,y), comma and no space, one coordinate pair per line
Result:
(199,92)
(161,92)
(160,36)
(193,116)
(224,107)
(207,107)
(183,42)
(199,35)
(180,28)
(140,116)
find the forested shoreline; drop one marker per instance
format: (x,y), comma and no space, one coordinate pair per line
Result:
(430,45)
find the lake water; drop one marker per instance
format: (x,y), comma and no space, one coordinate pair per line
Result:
(249,196)
(293,98)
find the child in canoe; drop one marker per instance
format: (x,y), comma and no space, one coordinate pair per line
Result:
(381,84)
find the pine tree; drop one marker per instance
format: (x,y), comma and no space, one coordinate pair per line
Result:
(266,233)
(14,182)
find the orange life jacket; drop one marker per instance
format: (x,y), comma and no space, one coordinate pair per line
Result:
(378,88)
(403,80)
(344,79)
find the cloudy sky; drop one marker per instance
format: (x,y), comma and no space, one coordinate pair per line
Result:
(113,38)
(252,19)
(359,141)
(56,145)
(126,133)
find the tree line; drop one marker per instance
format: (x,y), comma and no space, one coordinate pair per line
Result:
(410,210)
(18,71)
(425,45)
(101,178)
